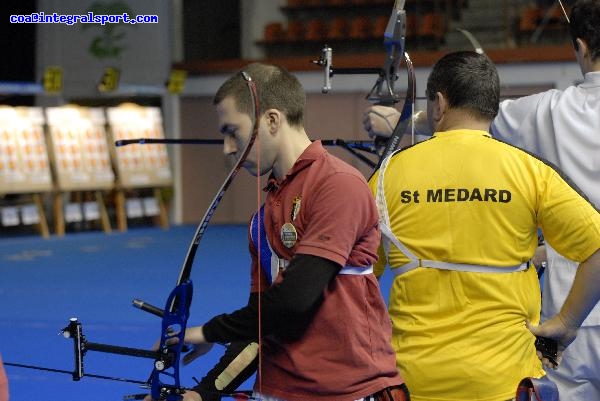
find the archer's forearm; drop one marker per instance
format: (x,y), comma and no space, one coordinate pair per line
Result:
(584,294)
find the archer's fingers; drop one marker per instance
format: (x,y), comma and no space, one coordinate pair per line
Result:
(169,341)
(197,351)
(547,363)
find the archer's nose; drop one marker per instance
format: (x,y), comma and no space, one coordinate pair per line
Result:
(229,146)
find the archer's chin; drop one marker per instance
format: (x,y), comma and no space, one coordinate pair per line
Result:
(253,169)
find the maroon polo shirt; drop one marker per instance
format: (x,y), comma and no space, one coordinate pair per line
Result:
(345,353)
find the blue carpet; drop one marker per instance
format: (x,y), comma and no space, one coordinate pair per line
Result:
(94,277)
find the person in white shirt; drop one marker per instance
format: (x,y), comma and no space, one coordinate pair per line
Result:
(563,127)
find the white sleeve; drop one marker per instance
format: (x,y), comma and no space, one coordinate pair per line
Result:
(521,121)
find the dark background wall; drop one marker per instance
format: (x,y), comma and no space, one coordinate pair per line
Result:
(17,48)
(211,29)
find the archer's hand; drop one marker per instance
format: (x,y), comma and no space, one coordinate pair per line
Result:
(196,351)
(554,328)
(194,336)
(380,120)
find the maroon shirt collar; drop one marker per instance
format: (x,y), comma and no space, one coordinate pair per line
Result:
(310,154)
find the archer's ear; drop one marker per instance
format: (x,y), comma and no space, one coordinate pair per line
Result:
(582,47)
(274,119)
(439,105)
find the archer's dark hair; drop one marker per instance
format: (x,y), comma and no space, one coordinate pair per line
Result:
(585,24)
(276,88)
(468,80)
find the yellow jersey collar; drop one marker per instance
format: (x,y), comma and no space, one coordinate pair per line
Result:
(461,132)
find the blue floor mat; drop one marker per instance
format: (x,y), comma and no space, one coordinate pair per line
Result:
(94,277)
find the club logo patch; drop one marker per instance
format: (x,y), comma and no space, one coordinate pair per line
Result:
(296,207)
(288,234)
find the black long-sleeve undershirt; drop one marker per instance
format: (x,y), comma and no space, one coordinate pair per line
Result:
(287,307)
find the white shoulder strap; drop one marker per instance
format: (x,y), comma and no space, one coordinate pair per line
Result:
(387,235)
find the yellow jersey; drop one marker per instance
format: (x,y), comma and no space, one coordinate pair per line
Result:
(463,197)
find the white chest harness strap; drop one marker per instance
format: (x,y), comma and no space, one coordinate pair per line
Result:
(349,270)
(388,236)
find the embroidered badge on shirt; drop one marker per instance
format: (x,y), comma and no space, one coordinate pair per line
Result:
(288,234)
(296,206)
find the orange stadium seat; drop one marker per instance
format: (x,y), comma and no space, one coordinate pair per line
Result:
(338,28)
(360,28)
(529,19)
(274,32)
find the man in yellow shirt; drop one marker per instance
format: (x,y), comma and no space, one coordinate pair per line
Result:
(459,215)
